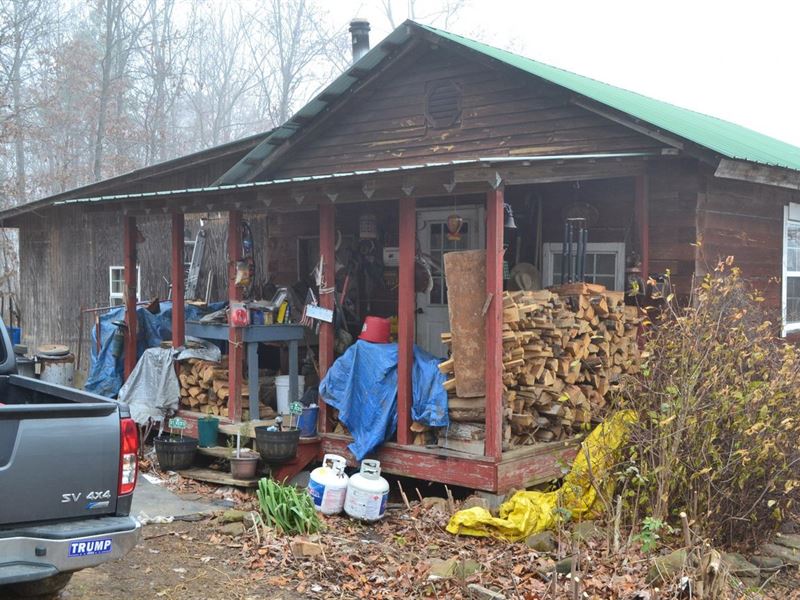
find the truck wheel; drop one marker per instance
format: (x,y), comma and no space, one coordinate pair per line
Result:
(43,589)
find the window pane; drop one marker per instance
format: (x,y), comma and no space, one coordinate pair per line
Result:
(436,291)
(793,247)
(605,263)
(793,299)
(606,280)
(436,236)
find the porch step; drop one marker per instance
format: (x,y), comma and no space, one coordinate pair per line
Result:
(218,477)
(216,451)
(246,428)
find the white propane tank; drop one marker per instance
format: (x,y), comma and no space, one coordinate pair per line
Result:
(367,493)
(327,485)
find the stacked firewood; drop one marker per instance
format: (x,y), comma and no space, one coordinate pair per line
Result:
(204,386)
(563,353)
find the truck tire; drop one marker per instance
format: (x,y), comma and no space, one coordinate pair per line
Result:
(43,589)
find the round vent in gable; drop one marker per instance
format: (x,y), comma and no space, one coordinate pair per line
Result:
(443,104)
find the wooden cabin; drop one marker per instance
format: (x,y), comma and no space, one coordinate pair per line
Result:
(429,124)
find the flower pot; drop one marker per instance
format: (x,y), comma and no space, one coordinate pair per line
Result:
(207,429)
(277,446)
(245,466)
(175,453)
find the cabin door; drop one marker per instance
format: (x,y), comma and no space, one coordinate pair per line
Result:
(434,241)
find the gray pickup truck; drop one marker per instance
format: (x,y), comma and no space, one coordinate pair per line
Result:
(68,467)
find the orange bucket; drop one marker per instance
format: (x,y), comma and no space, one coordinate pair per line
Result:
(376,330)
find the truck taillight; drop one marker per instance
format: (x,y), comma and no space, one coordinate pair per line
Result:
(128,456)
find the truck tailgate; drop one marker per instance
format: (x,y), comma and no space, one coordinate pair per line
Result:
(58,461)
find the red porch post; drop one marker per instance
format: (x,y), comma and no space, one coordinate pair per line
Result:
(494,324)
(406,315)
(642,210)
(327,251)
(178,321)
(235,344)
(131,284)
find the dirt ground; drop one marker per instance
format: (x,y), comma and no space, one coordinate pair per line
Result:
(175,561)
(193,561)
(398,557)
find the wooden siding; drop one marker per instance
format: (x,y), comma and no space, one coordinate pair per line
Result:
(65,255)
(744,220)
(673,187)
(504,113)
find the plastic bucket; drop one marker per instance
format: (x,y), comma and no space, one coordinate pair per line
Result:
(282,391)
(207,432)
(175,454)
(376,330)
(308,421)
(277,446)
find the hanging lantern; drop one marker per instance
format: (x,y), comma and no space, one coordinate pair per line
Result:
(454,224)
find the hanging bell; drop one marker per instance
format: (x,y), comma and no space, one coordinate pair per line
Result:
(509,219)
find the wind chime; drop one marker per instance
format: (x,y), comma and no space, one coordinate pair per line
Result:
(576,236)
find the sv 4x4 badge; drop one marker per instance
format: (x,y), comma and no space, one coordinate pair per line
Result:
(75,496)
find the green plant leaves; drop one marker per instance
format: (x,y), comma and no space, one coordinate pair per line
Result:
(287,509)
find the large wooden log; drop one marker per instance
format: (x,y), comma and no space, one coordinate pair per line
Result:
(466,294)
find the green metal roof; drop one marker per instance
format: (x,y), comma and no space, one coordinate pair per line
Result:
(723,137)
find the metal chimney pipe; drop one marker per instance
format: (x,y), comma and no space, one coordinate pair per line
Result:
(359,31)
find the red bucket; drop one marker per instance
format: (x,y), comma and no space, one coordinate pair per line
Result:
(376,330)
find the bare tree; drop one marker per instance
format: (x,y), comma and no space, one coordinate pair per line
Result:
(442,13)
(26,23)
(120,29)
(293,53)
(220,75)
(160,74)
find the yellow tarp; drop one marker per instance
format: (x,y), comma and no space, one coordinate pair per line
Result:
(527,513)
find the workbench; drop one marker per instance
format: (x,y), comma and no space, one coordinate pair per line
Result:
(252,336)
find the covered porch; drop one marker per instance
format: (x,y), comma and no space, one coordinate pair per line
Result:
(403,198)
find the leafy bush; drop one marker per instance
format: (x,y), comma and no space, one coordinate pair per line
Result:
(286,508)
(719,426)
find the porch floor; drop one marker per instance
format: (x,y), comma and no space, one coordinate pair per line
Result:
(519,468)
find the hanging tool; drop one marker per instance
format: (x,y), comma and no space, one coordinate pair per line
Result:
(192,268)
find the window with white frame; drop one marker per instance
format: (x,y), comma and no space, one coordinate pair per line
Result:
(605,264)
(116,285)
(791,268)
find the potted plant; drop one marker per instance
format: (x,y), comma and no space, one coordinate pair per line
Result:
(207,430)
(175,451)
(277,443)
(243,460)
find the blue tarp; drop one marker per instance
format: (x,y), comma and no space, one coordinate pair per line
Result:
(362,386)
(106,370)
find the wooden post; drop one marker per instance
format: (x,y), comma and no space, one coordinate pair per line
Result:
(642,209)
(178,282)
(494,324)
(236,353)
(131,284)
(406,315)
(327,250)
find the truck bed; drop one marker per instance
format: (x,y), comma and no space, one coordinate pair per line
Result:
(59,453)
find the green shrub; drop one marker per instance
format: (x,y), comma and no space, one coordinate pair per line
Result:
(719,428)
(286,508)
